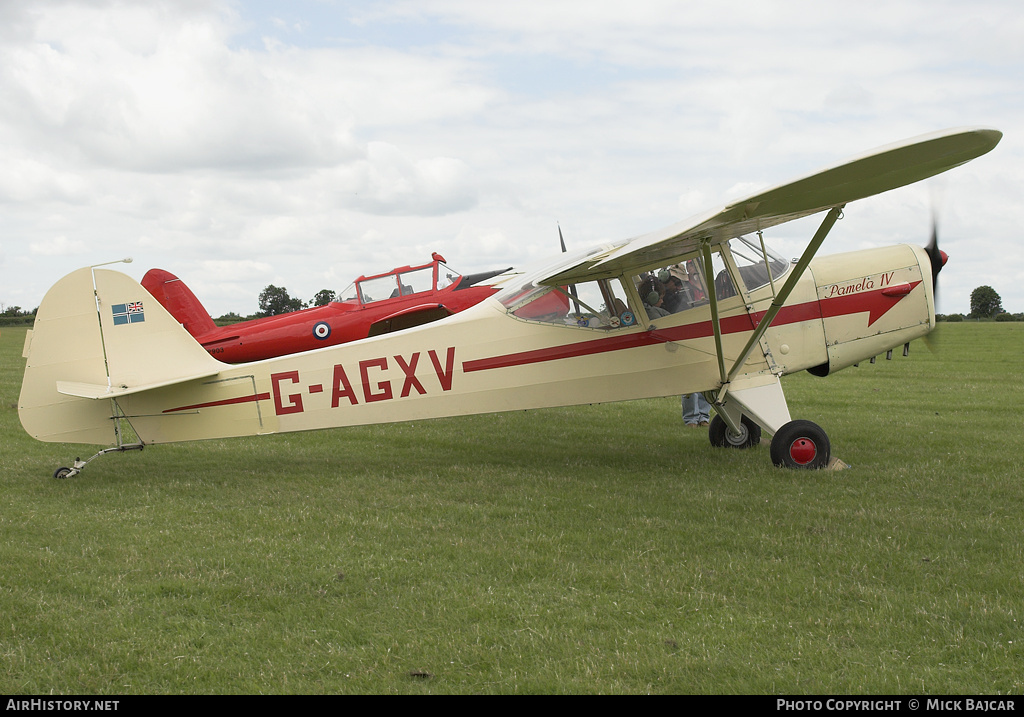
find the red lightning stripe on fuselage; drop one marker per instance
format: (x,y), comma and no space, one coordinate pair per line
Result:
(876,303)
(224,402)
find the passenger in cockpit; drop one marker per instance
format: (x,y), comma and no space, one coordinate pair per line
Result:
(675,296)
(653,303)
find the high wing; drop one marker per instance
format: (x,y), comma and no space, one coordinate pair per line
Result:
(889,167)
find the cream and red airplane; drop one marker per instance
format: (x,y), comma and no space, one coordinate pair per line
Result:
(107,365)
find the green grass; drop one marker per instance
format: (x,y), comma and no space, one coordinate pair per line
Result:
(600,549)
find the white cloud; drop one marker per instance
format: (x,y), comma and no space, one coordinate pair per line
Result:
(58,246)
(388,182)
(325,140)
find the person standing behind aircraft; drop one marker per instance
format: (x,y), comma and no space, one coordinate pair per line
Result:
(696,410)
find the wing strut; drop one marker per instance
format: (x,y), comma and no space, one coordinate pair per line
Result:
(801,265)
(709,282)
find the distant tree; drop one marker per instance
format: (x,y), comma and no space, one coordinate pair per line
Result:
(229,318)
(985,303)
(275,300)
(323,298)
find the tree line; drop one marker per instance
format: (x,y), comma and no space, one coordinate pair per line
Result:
(16,316)
(986,305)
(275,300)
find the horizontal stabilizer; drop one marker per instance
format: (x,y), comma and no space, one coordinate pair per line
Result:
(96,390)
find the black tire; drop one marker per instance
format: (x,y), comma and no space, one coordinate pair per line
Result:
(801,444)
(61,473)
(720,437)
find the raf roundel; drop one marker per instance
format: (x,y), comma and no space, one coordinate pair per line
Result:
(322,330)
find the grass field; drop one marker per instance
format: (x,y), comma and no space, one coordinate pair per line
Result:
(600,549)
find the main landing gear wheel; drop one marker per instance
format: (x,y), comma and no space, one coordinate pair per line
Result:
(721,437)
(801,444)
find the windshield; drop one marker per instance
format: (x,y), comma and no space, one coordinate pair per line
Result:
(589,304)
(751,262)
(348,293)
(446,276)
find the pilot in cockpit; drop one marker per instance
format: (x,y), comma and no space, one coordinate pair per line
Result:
(675,295)
(651,291)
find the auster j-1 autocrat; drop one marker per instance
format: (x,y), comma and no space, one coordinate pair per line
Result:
(371,305)
(106,363)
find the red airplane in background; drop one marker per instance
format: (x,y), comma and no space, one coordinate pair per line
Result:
(401,298)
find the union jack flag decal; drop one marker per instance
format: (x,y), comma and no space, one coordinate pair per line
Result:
(130,313)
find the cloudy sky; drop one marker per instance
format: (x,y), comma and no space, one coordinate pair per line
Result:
(241,143)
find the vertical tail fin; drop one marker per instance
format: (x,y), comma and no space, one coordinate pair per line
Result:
(98,335)
(180,302)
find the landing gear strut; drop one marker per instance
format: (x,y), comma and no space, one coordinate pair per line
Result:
(79,464)
(721,437)
(123,432)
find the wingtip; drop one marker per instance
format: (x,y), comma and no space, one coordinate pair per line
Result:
(986,138)
(992,135)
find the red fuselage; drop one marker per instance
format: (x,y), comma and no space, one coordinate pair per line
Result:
(372,305)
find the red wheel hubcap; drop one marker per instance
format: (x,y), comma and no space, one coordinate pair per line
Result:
(803,451)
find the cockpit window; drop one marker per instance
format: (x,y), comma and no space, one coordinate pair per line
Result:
(446,276)
(682,286)
(413,282)
(384,287)
(591,304)
(751,263)
(348,293)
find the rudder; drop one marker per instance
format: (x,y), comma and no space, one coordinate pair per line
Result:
(175,296)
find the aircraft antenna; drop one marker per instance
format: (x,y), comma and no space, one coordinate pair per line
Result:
(572,289)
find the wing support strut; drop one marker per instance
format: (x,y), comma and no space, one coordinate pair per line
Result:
(777,303)
(801,266)
(709,282)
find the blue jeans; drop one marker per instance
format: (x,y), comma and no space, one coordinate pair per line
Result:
(696,408)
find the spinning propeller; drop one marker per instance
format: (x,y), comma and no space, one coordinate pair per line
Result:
(937,257)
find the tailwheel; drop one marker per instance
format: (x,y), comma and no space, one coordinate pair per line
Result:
(79,464)
(801,444)
(721,437)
